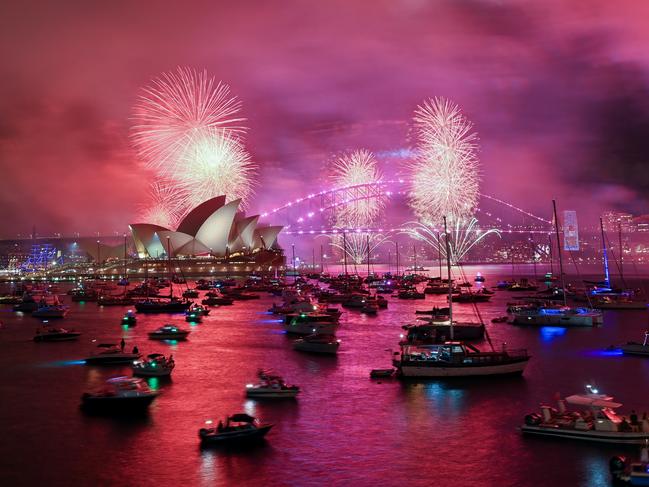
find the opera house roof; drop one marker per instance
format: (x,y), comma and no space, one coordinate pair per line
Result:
(212,228)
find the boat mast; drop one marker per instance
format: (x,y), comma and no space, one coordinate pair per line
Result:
(556,229)
(321,260)
(439,256)
(345,252)
(450,285)
(396,245)
(604,255)
(414,258)
(368,255)
(551,258)
(171,279)
(293,257)
(619,236)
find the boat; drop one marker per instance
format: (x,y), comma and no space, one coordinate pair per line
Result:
(190,293)
(121,394)
(479,278)
(311,317)
(169,332)
(411,294)
(111,354)
(154,365)
(626,472)
(635,348)
(355,301)
(598,421)
(271,386)
(297,326)
(454,358)
(171,305)
(382,373)
(556,316)
(370,309)
(436,288)
(197,308)
(500,319)
(618,303)
(435,332)
(122,300)
(129,318)
(193,317)
(238,429)
(50,312)
(317,343)
(217,301)
(469,297)
(55,335)
(435,312)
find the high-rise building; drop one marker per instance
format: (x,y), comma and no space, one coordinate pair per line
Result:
(613,220)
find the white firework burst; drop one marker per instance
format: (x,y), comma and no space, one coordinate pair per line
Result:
(445,173)
(166,207)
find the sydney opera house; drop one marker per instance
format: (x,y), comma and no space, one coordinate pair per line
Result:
(212,229)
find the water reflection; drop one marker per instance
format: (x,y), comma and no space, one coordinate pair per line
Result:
(550,333)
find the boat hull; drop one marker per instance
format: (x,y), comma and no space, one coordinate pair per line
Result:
(555,320)
(630,438)
(311,328)
(57,338)
(413,370)
(635,349)
(118,360)
(236,437)
(168,336)
(324,348)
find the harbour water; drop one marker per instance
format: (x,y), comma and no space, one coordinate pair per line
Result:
(344,429)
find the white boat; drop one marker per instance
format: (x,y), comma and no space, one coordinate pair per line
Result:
(457,359)
(51,312)
(121,394)
(111,354)
(635,348)
(598,421)
(238,429)
(556,316)
(271,386)
(155,365)
(317,344)
(309,328)
(168,332)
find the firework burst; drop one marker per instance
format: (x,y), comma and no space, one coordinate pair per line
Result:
(353,170)
(167,206)
(464,235)
(175,110)
(445,172)
(216,164)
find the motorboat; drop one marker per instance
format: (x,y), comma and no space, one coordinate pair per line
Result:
(111,354)
(51,334)
(317,343)
(162,305)
(299,326)
(83,295)
(458,359)
(635,348)
(436,288)
(411,294)
(51,312)
(435,312)
(199,309)
(618,303)
(469,297)
(192,317)
(154,365)
(627,472)
(479,278)
(356,301)
(271,386)
(238,429)
(217,301)
(121,394)
(169,332)
(382,373)
(129,318)
(311,317)
(110,300)
(521,285)
(370,309)
(190,293)
(598,421)
(556,316)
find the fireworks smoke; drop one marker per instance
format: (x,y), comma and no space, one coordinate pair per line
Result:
(445,173)
(167,206)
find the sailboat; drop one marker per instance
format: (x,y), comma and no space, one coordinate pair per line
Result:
(164,305)
(455,358)
(552,315)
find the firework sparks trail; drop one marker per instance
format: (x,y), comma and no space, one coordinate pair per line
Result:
(175,110)
(355,245)
(216,164)
(167,205)
(464,233)
(445,172)
(354,169)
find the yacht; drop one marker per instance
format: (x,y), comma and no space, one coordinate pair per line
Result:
(327,344)
(435,332)
(168,332)
(55,335)
(635,348)
(217,301)
(457,359)
(172,305)
(50,312)
(121,394)
(596,421)
(111,354)
(556,316)
(271,386)
(154,365)
(238,429)
(129,318)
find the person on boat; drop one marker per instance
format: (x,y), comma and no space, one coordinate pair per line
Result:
(625,426)
(135,349)
(122,344)
(644,424)
(219,428)
(633,419)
